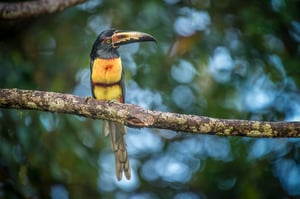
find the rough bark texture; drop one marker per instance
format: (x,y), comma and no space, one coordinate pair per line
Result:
(26,9)
(135,116)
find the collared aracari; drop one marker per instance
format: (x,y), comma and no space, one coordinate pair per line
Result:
(107,83)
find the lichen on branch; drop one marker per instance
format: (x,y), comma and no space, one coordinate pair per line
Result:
(138,117)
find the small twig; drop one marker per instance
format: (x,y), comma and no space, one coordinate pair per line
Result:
(135,116)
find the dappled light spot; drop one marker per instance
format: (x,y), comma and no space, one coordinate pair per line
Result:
(277,5)
(276,62)
(143,195)
(191,147)
(83,86)
(171,169)
(188,195)
(148,170)
(128,61)
(49,121)
(183,96)
(294,113)
(218,148)
(221,65)
(28,120)
(183,158)
(258,99)
(260,95)
(143,143)
(233,37)
(227,183)
(171,1)
(59,192)
(174,166)
(288,172)
(260,148)
(190,21)
(183,72)
(295,32)
(106,176)
(98,23)
(89,5)
(143,97)
(273,43)
(188,153)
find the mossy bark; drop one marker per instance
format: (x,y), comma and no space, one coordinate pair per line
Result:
(137,117)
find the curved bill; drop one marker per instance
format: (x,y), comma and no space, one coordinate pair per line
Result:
(126,37)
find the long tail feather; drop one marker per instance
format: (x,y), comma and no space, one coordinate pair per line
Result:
(117,134)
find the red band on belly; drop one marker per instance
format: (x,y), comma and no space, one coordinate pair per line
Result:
(105,85)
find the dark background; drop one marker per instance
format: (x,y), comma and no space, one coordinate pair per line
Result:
(225,59)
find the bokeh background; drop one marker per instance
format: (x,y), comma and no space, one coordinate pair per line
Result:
(225,59)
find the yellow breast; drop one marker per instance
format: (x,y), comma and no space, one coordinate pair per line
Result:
(106,71)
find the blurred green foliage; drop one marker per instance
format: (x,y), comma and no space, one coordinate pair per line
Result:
(228,59)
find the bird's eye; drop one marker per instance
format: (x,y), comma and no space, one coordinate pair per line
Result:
(108,41)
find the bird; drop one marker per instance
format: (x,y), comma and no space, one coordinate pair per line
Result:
(107,83)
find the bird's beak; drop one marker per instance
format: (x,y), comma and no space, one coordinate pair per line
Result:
(126,37)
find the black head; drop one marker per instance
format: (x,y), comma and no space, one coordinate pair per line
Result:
(102,47)
(109,41)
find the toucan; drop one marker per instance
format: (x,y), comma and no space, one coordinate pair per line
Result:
(107,83)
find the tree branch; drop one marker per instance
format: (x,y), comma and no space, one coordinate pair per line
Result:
(135,116)
(34,8)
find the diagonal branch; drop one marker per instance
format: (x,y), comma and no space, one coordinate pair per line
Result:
(138,117)
(25,9)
